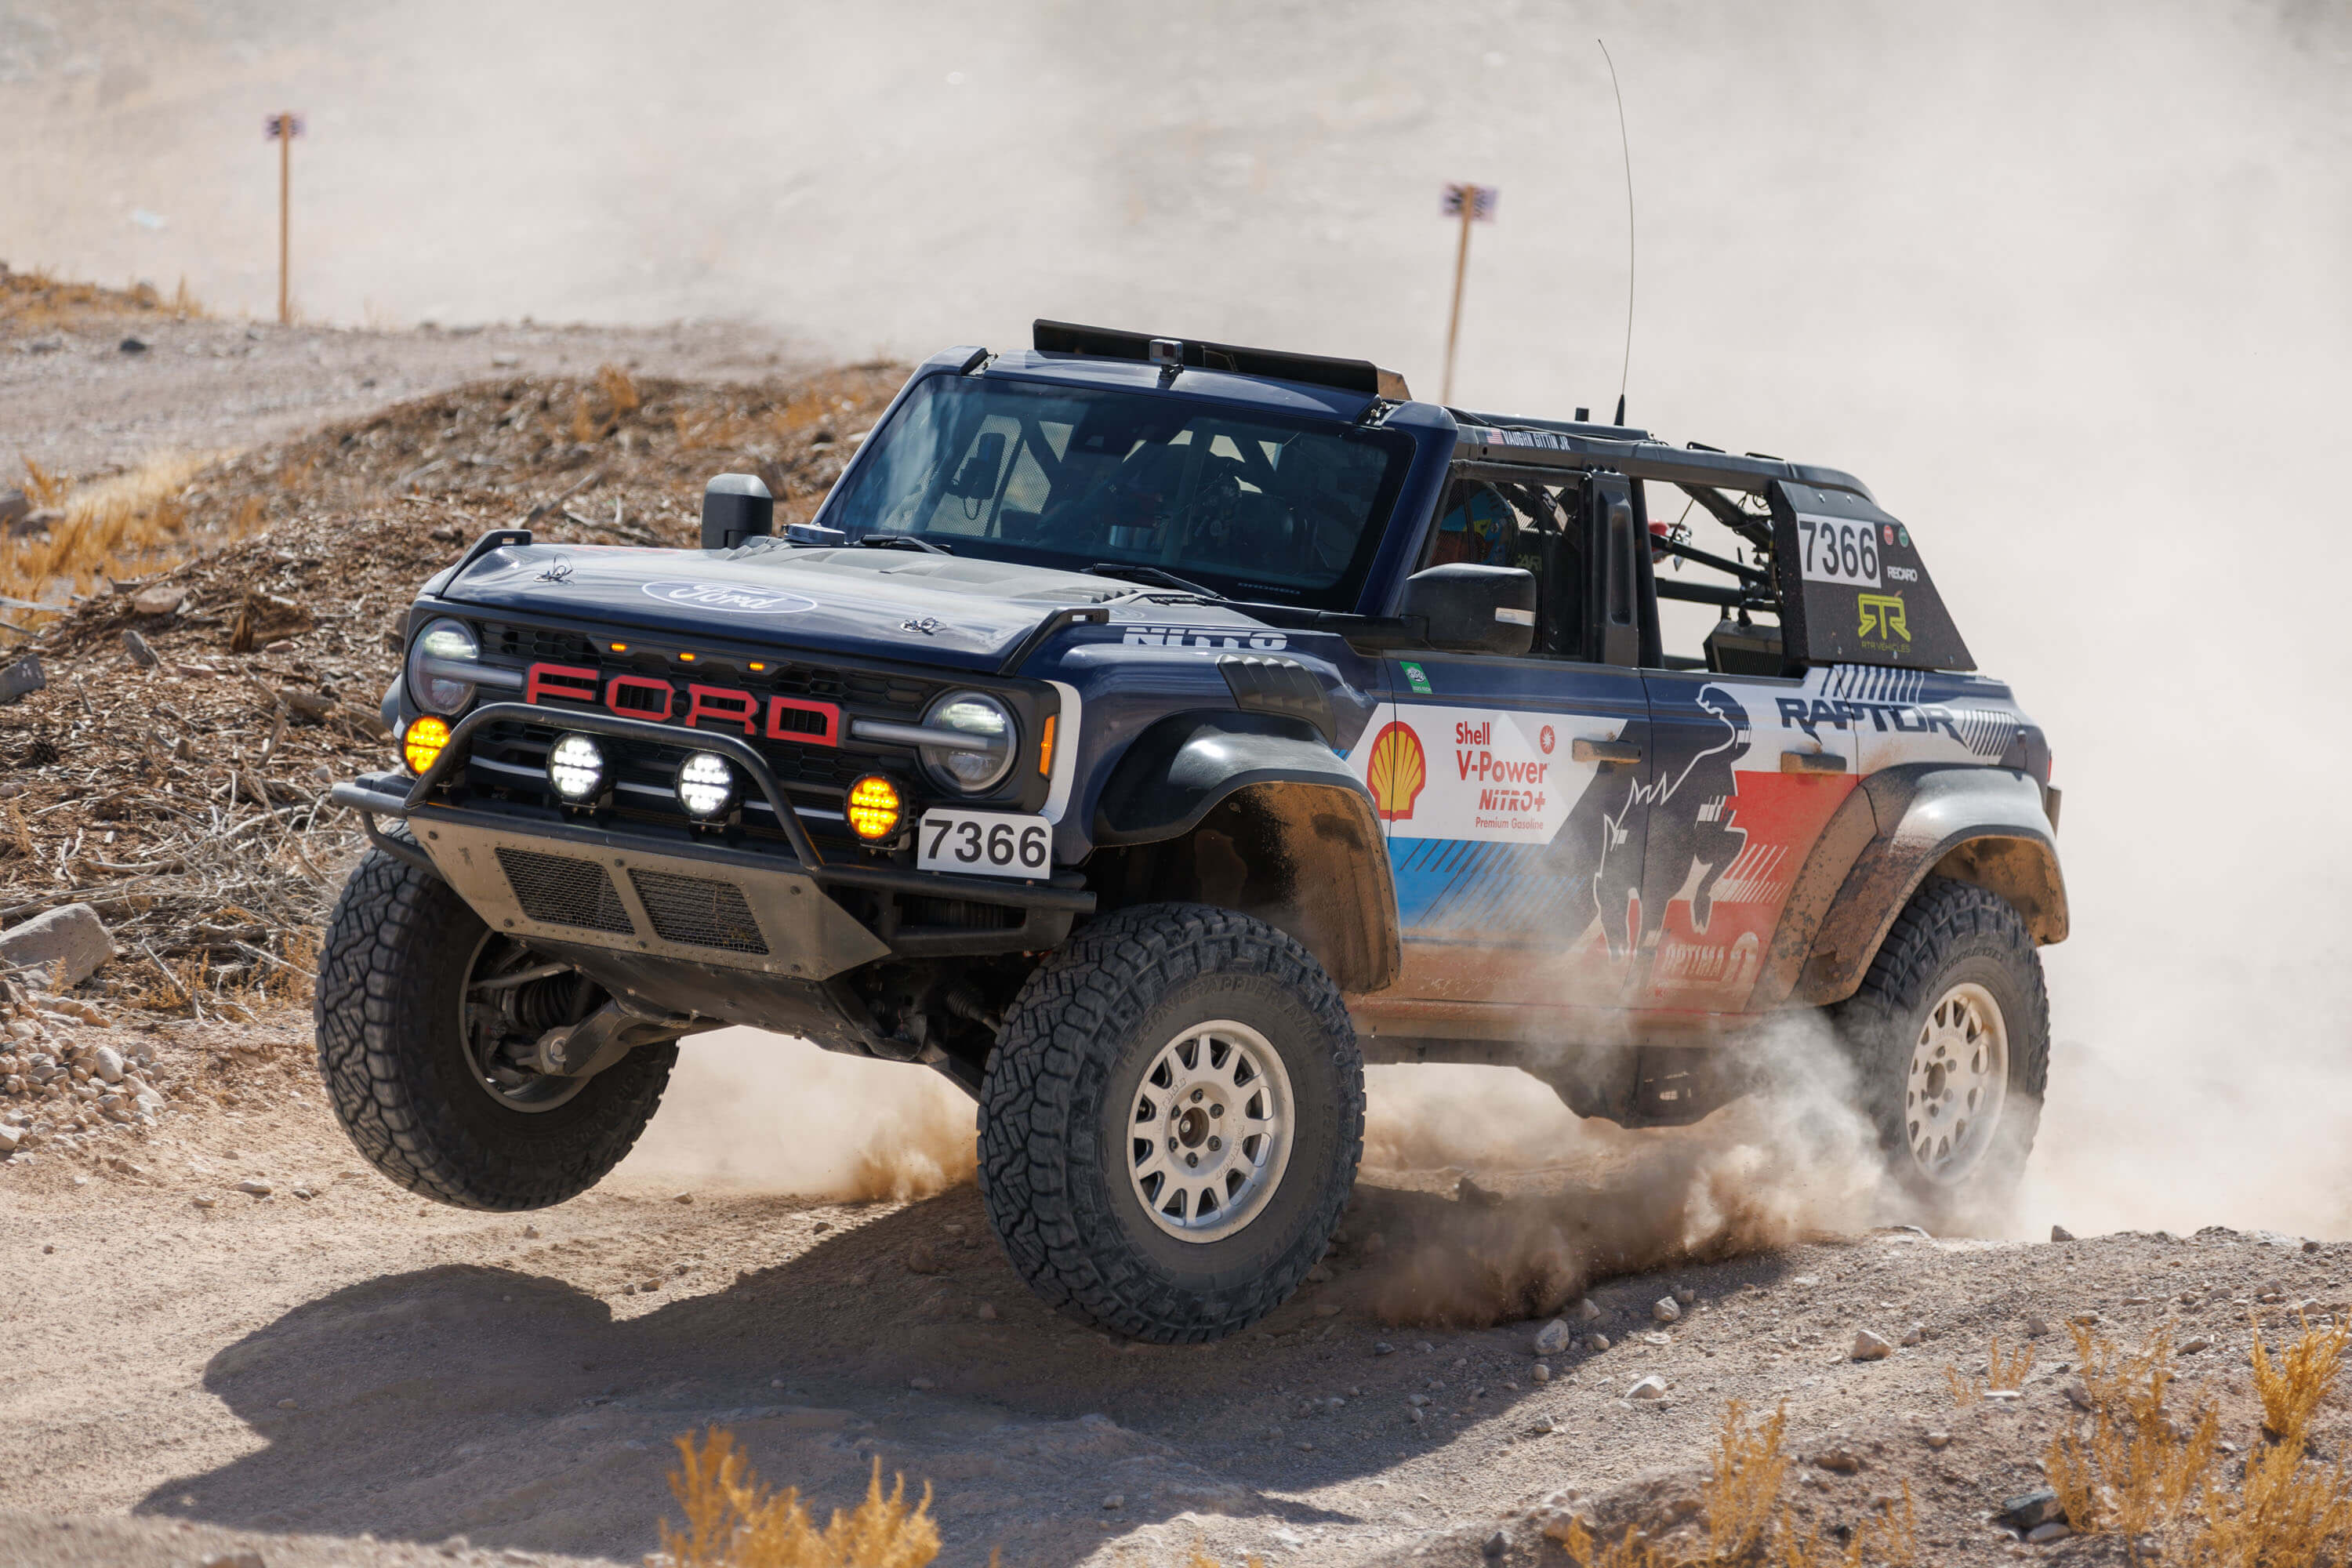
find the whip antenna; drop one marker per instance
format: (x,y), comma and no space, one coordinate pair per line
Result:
(1626,143)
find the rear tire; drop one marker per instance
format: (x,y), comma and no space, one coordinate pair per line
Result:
(392,1049)
(1949,1036)
(1170,1122)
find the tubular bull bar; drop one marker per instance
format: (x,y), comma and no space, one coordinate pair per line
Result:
(579,885)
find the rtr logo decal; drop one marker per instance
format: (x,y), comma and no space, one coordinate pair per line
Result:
(1398,770)
(1883,613)
(729,598)
(1546,740)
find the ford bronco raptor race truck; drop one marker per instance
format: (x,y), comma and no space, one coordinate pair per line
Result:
(1146,733)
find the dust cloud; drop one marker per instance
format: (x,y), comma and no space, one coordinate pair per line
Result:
(1536,1203)
(2065,285)
(747,1108)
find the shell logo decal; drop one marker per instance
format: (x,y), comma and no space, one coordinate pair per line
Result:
(1396,771)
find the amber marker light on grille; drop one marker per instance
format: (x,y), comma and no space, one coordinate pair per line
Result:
(686,659)
(874,807)
(423,742)
(757,664)
(619,646)
(1045,749)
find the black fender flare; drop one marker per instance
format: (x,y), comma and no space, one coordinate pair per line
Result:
(1182,767)
(1986,825)
(1320,866)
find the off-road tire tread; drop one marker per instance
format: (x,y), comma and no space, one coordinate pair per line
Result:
(1946,915)
(1057,1036)
(368,1014)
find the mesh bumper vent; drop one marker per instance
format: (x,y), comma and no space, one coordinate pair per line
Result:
(698,913)
(559,890)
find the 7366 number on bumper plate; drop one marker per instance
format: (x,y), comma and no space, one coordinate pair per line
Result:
(985,843)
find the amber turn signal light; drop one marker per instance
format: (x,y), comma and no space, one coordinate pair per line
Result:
(874,807)
(423,742)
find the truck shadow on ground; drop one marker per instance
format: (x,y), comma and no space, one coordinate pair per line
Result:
(513,1408)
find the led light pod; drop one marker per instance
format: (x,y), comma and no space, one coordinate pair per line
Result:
(875,807)
(575,769)
(706,786)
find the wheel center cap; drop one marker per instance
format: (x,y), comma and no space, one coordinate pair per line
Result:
(1192,1128)
(1938,1079)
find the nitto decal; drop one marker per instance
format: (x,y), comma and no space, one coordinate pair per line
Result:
(729,598)
(1201,637)
(1396,771)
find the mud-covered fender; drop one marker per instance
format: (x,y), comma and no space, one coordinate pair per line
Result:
(1313,858)
(1985,826)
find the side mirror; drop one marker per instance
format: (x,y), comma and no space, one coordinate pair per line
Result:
(1475,609)
(734,508)
(975,477)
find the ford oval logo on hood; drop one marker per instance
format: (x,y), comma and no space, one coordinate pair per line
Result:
(729,598)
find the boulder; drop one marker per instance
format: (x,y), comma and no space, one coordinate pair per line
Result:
(67,944)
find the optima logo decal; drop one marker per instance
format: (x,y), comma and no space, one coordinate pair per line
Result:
(1399,768)
(730,598)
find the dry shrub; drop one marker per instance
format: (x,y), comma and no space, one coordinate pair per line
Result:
(43,488)
(1740,1499)
(585,428)
(118,527)
(1745,1483)
(2141,1473)
(619,388)
(2005,1376)
(2292,1388)
(2134,1468)
(31,301)
(1887,1537)
(735,1521)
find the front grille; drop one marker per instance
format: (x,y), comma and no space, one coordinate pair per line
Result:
(536,643)
(698,913)
(564,890)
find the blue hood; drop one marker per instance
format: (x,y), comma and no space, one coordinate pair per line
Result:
(957,611)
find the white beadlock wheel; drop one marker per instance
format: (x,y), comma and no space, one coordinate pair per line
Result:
(1958,1085)
(1212,1124)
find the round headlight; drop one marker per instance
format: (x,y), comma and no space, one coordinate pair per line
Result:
(575,768)
(706,785)
(982,765)
(437,688)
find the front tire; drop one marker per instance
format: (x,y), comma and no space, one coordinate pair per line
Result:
(1170,1123)
(1949,1037)
(403,1056)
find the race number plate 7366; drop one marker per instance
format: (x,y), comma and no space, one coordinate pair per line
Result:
(985,843)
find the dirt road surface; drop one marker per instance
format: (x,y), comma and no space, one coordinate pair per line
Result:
(353,1377)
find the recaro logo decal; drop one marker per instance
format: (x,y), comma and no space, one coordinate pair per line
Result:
(730,598)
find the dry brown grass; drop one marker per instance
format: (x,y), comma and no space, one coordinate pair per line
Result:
(39,299)
(1743,1487)
(2132,1468)
(120,527)
(1741,1501)
(734,1521)
(2001,1375)
(619,389)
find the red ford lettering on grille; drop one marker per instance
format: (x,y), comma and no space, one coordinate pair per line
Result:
(810,723)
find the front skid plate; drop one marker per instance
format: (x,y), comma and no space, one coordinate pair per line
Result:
(806,934)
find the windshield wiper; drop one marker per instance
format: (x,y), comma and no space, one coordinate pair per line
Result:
(900,541)
(1155,576)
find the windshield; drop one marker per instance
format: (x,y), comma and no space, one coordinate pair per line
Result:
(1253,504)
